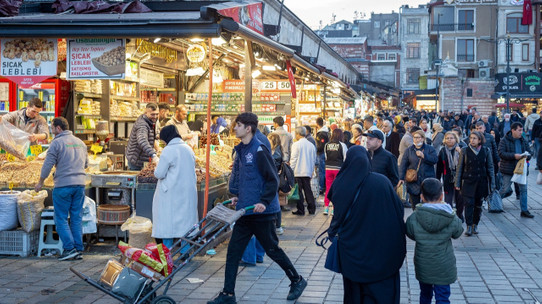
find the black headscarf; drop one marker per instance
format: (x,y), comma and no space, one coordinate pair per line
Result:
(372,244)
(168,133)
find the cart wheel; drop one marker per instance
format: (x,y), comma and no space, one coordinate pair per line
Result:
(163,300)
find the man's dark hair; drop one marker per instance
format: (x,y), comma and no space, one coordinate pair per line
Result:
(369,118)
(405,118)
(279,120)
(309,129)
(480,123)
(152,106)
(163,106)
(516,125)
(248,119)
(534,110)
(431,189)
(458,130)
(35,102)
(493,113)
(414,129)
(61,122)
(320,121)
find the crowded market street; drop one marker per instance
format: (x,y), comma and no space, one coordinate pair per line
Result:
(496,266)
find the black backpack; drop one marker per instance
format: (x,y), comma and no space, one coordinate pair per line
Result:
(286,178)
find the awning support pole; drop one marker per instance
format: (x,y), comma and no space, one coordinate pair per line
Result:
(208,145)
(249,64)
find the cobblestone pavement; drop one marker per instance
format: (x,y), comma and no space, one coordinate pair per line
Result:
(496,266)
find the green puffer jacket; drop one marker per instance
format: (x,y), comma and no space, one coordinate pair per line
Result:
(432,229)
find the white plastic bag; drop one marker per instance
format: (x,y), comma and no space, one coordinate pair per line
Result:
(89,216)
(8,210)
(539,179)
(29,206)
(521,178)
(13,140)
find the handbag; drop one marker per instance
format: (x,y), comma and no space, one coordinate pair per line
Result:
(401,192)
(411,174)
(294,194)
(332,258)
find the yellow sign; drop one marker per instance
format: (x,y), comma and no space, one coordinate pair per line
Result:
(10,157)
(156,50)
(96,148)
(36,149)
(195,53)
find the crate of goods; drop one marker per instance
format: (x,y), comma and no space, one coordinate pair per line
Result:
(18,242)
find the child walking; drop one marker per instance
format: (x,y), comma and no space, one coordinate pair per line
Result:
(432,225)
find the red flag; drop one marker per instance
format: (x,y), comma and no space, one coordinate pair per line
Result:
(527,13)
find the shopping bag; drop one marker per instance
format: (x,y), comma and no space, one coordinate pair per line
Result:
(294,194)
(498,181)
(495,202)
(401,192)
(539,179)
(520,178)
(519,166)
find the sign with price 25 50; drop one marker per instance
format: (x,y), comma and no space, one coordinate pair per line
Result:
(275,85)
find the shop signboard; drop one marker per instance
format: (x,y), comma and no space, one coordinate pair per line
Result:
(249,15)
(151,78)
(96,58)
(28,61)
(519,83)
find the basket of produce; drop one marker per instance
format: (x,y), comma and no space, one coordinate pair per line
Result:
(113,214)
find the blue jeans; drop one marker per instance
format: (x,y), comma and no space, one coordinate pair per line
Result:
(254,252)
(506,187)
(132,167)
(322,171)
(442,293)
(69,201)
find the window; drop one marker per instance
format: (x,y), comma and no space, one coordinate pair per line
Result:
(525,52)
(465,20)
(465,50)
(413,26)
(469,92)
(392,57)
(413,50)
(381,57)
(413,76)
(514,26)
(377,24)
(443,18)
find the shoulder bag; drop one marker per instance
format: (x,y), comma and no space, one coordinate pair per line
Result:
(412,174)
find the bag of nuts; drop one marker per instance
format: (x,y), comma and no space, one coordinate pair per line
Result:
(13,140)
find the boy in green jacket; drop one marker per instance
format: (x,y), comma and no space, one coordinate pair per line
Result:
(433,225)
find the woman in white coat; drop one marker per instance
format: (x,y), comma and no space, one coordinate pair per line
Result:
(175,202)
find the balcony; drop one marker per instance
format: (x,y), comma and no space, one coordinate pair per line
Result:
(453,27)
(465,58)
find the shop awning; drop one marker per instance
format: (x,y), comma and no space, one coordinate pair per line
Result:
(143,25)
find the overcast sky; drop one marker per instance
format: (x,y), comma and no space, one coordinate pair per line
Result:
(312,11)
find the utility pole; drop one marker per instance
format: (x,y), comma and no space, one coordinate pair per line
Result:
(508,74)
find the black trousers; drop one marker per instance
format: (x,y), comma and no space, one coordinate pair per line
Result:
(263,227)
(455,196)
(385,291)
(305,188)
(473,210)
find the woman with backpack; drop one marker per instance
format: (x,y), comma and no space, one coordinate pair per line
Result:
(474,178)
(335,153)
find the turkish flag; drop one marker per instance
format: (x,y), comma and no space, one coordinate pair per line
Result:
(527,13)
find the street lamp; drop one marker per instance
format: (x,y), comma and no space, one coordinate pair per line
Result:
(508,44)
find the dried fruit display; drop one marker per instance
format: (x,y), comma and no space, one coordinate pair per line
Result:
(146,176)
(214,140)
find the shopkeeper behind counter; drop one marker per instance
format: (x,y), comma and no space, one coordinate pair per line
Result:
(179,121)
(29,120)
(142,144)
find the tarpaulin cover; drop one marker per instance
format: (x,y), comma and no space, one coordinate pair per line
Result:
(96,7)
(9,8)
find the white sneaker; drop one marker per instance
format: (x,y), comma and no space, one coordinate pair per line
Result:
(280,231)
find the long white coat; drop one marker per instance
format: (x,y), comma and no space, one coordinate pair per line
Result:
(175,202)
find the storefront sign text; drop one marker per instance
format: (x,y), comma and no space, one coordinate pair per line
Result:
(156,50)
(96,59)
(519,83)
(151,78)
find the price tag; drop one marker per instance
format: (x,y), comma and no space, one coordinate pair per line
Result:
(269,85)
(284,86)
(30,158)
(96,148)
(36,149)
(10,157)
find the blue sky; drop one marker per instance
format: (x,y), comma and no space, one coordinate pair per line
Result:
(344,9)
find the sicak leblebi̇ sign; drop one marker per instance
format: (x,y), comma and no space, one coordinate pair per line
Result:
(96,59)
(28,61)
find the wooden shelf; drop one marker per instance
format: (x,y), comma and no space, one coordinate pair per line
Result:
(93,131)
(124,98)
(89,95)
(123,119)
(309,113)
(89,115)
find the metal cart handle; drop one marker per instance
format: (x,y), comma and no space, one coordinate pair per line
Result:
(229,202)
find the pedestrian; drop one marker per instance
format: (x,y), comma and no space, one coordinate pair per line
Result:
(218,124)
(175,174)
(432,226)
(286,138)
(68,154)
(448,159)
(421,158)
(505,125)
(303,162)
(357,134)
(512,148)
(438,136)
(489,143)
(347,132)
(382,161)
(322,138)
(425,128)
(406,142)
(254,181)
(276,153)
(393,139)
(142,146)
(369,221)
(536,135)
(310,138)
(475,178)
(335,152)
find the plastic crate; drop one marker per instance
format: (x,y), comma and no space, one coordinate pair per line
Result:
(19,242)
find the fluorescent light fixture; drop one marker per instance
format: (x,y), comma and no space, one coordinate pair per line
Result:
(256,73)
(156,40)
(196,40)
(269,68)
(195,71)
(226,60)
(218,41)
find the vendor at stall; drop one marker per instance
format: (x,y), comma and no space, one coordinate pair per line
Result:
(163,115)
(179,121)
(29,120)
(218,125)
(142,144)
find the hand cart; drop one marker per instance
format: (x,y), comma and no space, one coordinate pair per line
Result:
(187,247)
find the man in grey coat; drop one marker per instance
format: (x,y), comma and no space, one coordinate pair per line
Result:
(142,146)
(69,155)
(286,139)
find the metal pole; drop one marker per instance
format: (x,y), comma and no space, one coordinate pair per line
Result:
(208,145)
(438,56)
(508,74)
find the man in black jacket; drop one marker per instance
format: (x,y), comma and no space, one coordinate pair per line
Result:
(512,148)
(490,144)
(382,161)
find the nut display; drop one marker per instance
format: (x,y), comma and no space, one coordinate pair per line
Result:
(113,57)
(219,165)
(12,149)
(214,140)
(37,50)
(23,174)
(146,176)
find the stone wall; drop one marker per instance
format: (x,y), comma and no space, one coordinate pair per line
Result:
(451,89)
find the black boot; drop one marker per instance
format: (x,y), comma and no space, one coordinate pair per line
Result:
(469,231)
(475,229)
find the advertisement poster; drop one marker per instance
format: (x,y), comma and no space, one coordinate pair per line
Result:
(28,61)
(96,59)
(249,15)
